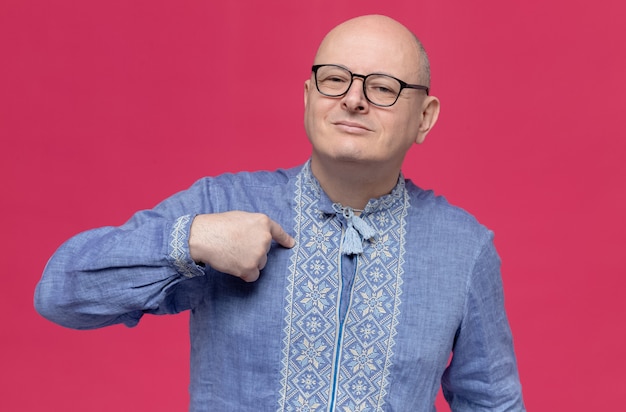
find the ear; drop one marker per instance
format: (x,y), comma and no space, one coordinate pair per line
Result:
(429,116)
(307,85)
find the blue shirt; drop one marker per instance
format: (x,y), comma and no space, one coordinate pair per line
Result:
(362,314)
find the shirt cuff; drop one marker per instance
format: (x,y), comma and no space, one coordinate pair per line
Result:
(179,248)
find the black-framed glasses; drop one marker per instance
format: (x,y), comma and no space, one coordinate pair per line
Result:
(379,89)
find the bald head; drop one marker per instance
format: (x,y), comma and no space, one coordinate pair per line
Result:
(378,29)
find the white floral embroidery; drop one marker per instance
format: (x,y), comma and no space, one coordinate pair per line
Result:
(367,331)
(319,239)
(308,381)
(311,353)
(376,274)
(381,248)
(304,405)
(351,407)
(315,295)
(382,219)
(372,303)
(314,324)
(317,266)
(362,359)
(359,387)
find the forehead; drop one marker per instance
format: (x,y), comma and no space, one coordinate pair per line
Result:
(369,47)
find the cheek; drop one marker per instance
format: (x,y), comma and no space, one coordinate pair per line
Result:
(311,118)
(408,126)
(309,113)
(315,113)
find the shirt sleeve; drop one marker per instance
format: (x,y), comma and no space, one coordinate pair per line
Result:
(113,275)
(482,375)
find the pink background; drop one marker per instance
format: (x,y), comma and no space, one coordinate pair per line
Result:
(107,107)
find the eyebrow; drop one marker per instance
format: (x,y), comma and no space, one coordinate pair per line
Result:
(374,72)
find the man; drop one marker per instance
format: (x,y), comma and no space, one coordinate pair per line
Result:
(334,286)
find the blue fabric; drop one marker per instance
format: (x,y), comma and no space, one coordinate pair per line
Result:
(367,325)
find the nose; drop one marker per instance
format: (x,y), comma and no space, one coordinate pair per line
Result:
(354,100)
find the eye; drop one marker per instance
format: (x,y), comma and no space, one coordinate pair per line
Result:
(383,90)
(336,79)
(382,87)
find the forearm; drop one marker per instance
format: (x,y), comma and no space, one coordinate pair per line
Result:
(115,275)
(482,375)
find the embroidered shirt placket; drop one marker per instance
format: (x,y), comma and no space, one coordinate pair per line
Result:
(337,347)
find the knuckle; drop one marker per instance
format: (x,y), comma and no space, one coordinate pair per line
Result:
(266,239)
(248,267)
(263,220)
(244,276)
(250,276)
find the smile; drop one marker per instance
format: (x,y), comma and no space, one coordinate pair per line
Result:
(351,127)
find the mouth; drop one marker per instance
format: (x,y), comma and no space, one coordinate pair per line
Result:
(351,127)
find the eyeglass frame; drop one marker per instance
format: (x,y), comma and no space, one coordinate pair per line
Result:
(403,84)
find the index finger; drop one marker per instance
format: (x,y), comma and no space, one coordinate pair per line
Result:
(280,236)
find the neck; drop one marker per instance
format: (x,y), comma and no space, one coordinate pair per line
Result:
(353,184)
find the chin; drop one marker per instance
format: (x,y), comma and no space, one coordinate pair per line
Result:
(348,157)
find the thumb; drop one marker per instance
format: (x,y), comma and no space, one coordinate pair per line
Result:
(280,236)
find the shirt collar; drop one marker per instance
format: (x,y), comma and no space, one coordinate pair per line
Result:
(326,206)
